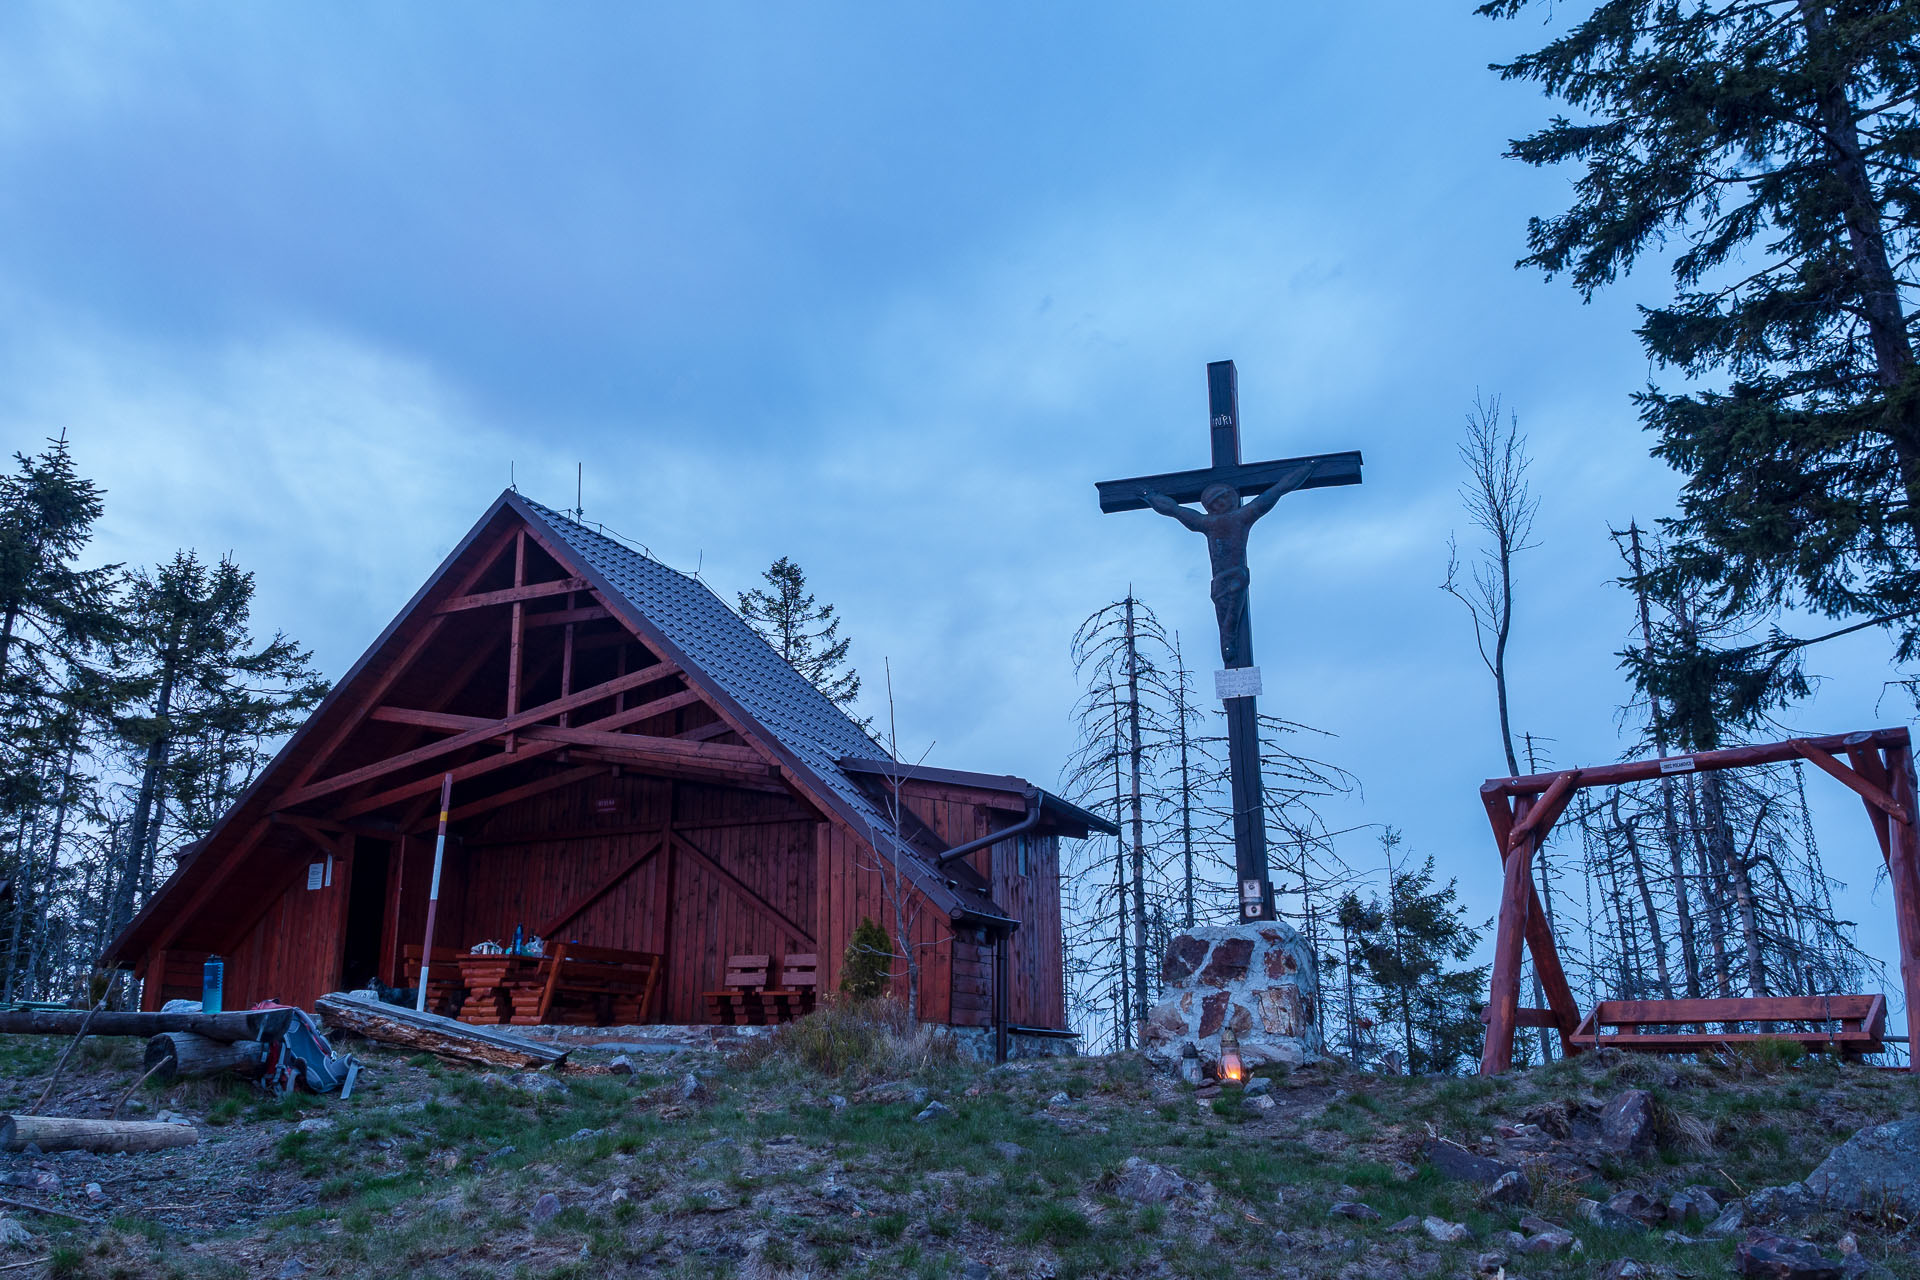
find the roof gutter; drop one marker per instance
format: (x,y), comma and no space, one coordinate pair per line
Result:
(1025,824)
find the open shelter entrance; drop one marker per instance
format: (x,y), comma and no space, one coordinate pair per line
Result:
(1878,767)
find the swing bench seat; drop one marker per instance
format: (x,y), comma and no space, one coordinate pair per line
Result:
(1844,1024)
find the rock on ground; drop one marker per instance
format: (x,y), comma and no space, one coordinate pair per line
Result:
(1874,1169)
(1456,1162)
(1149,1183)
(1774,1257)
(1626,1124)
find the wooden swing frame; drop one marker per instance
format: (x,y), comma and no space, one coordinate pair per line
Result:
(1879,768)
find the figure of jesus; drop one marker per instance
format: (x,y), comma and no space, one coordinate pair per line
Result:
(1226,523)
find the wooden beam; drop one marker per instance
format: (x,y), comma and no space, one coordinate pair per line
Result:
(434,750)
(539,786)
(1553,977)
(1867,790)
(1543,813)
(379,687)
(567,617)
(1503,1007)
(702,733)
(740,887)
(516,634)
(1701,762)
(1904,874)
(513,595)
(1868,764)
(565,834)
(766,779)
(487,764)
(601,890)
(582,736)
(451,723)
(566,667)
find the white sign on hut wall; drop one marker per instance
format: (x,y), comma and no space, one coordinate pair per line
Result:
(316,874)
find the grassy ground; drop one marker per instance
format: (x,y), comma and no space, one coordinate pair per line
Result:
(438,1170)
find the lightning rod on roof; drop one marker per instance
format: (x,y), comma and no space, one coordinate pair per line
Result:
(579,485)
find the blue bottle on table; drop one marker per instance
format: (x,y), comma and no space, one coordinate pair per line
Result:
(213,977)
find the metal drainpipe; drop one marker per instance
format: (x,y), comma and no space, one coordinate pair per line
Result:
(1000,998)
(1025,824)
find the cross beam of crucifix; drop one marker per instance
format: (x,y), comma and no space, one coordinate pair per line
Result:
(1226,522)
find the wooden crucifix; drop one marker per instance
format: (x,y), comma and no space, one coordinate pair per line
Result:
(1225,522)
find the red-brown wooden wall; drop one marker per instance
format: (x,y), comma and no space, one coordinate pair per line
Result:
(526,863)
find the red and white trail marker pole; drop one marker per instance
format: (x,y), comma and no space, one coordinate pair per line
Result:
(433,891)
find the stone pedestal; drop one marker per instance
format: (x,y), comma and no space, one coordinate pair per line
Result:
(1257,980)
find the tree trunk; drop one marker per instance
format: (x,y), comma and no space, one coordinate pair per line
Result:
(1654,936)
(22,891)
(1710,875)
(1134,758)
(1720,831)
(37,948)
(141,832)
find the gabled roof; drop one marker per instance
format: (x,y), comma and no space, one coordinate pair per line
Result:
(1058,815)
(777,709)
(730,660)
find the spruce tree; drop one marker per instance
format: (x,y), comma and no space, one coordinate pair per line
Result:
(1774,143)
(206,698)
(1410,944)
(802,630)
(51,610)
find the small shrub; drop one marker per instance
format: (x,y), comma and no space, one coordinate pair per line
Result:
(867,968)
(868,1037)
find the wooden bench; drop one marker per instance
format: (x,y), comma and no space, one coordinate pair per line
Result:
(794,996)
(1847,1024)
(738,1002)
(597,986)
(446,987)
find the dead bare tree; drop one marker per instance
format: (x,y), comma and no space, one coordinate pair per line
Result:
(888,841)
(1502,506)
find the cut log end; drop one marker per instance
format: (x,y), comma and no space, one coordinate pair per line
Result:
(182,1055)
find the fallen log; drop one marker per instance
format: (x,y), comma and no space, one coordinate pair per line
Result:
(182,1055)
(431,1033)
(253,1024)
(60,1133)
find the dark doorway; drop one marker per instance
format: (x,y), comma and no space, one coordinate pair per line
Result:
(366,912)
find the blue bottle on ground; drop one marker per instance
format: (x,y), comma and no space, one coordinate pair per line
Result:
(212,979)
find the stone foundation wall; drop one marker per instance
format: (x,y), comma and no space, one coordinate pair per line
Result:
(976,1043)
(1257,980)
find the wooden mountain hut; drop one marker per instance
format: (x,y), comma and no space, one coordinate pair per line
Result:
(632,767)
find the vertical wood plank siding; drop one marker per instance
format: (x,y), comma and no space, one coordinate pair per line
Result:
(525,863)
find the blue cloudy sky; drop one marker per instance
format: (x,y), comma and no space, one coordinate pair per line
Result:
(883,288)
